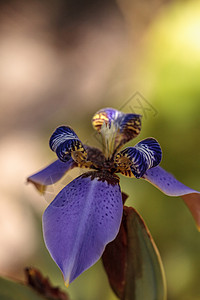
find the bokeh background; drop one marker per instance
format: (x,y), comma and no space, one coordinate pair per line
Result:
(61,61)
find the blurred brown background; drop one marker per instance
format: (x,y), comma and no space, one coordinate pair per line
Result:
(61,61)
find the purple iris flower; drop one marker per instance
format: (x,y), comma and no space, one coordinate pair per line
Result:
(86,214)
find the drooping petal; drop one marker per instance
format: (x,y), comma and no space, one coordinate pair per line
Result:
(116,128)
(170,186)
(51,174)
(66,143)
(82,219)
(137,160)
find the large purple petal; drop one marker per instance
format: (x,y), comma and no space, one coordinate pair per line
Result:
(83,218)
(51,174)
(169,185)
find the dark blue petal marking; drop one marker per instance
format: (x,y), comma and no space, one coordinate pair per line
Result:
(170,186)
(65,142)
(145,155)
(51,174)
(83,218)
(151,150)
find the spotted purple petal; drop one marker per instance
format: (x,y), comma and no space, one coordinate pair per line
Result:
(170,186)
(82,219)
(145,155)
(65,143)
(51,174)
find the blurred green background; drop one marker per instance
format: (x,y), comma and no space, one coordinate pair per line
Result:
(61,61)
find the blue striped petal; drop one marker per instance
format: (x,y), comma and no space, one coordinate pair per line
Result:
(116,128)
(170,186)
(83,218)
(66,143)
(145,155)
(130,127)
(51,174)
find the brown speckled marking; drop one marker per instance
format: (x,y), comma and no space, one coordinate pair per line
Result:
(102,176)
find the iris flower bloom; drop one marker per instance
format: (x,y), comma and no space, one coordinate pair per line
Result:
(86,214)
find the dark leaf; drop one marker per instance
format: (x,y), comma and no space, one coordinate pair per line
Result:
(124,197)
(133,263)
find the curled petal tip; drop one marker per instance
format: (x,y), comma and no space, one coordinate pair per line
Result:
(40,187)
(67,283)
(145,155)
(192,200)
(65,142)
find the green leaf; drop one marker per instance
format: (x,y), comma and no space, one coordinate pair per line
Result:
(133,263)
